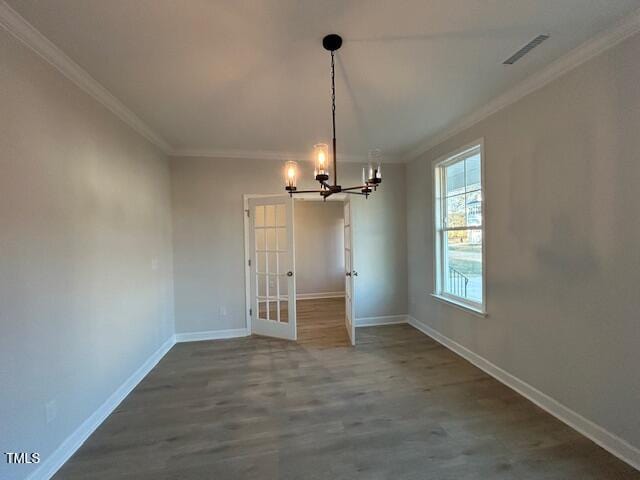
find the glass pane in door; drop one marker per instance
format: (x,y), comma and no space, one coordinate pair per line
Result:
(271,239)
(262,309)
(282,239)
(270,216)
(259,216)
(281,216)
(283,298)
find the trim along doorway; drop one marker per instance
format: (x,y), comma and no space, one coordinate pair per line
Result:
(259,299)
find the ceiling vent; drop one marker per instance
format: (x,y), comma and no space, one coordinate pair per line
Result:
(526,49)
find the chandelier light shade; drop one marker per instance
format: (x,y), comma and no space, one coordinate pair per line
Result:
(290,176)
(374,176)
(321,160)
(371,175)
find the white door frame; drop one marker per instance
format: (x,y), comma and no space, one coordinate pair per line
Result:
(247,248)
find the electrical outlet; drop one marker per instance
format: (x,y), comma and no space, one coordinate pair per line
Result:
(222,312)
(155,264)
(51,410)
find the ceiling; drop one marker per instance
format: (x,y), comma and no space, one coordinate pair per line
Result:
(252,76)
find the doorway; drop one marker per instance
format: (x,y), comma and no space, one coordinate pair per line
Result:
(320,272)
(299,269)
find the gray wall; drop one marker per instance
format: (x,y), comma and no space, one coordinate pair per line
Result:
(84,214)
(319,231)
(209,245)
(562,230)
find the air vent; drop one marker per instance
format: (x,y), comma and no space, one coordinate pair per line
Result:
(526,49)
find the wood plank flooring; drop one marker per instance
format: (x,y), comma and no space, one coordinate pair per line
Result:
(397,406)
(321,323)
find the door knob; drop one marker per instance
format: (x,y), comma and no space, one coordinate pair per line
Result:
(289,273)
(348,274)
(355,274)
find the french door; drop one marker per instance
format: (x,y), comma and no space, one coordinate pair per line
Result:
(272,267)
(350,273)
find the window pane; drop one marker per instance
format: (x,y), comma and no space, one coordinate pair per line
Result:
(261,280)
(474,209)
(261,262)
(473,172)
(284,311)
(273,310)
(272,285)
(283,259)
(259,216)
(284,287)
(459,219)
(455,216)
(455,178)
(282,239)
(271,238)
(463,264)
(270,216)
(271,263)
(281,212)
(260,245)
(262,309)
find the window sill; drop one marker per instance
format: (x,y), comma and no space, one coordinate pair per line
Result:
(462,306)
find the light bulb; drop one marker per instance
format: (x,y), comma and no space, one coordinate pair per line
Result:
(321,161)
(375,166)
(290,174)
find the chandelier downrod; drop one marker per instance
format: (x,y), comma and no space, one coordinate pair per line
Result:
(333,119)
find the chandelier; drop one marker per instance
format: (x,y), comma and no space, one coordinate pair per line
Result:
(371,174)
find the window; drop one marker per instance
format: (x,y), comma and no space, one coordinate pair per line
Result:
(459,228)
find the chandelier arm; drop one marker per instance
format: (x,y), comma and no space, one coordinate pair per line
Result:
(354,193)
(294,192)
(358,187)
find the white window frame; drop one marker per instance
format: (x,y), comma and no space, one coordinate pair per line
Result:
(440,230)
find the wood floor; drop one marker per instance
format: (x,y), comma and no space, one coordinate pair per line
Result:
(321,323)
(397,406)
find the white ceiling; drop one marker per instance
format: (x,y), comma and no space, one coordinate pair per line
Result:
(252,76)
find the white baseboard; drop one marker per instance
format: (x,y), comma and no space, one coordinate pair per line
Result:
(68,447)
(211,335)
(73,442)
(385,320)
(607,440)
(315,296)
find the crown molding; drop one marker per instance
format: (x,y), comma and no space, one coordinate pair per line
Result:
(16,25)
(267,155)
(21,29)
(240,154)
(603,41)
